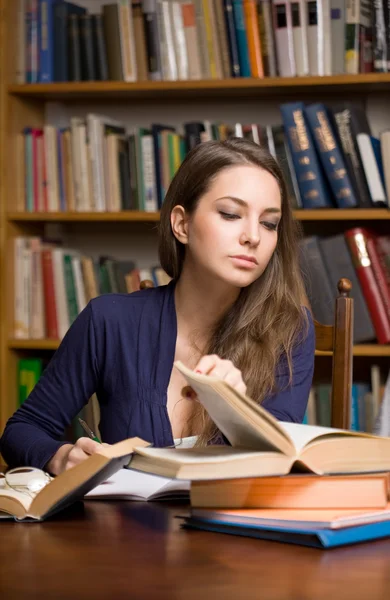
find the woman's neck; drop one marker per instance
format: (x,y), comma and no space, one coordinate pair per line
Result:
(200,303)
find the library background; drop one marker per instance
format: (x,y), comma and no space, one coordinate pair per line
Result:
(99,104)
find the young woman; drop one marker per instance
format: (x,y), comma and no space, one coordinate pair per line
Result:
(234,309)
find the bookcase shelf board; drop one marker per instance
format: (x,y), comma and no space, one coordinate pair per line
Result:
(211,87)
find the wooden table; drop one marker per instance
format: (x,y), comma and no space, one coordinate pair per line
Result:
(115,550)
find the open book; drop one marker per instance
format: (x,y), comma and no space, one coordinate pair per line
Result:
(261,445)
(127,484)
(70,486)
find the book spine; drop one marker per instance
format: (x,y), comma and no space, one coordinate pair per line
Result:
(232,39)
(100,51)
(330,155)
(46,41)
(49,295)
(299,28)
(254,44)
(312,185)
(284,38)
(70,288)
(338,25)
(74,48)
(152,36)
(241,35)
(87,49)
(380,47)
(267,38)
(222,38)
(357,243)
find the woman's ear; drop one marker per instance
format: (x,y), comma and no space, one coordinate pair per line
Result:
(179,223)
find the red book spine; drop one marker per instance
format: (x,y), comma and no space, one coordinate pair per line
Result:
(49,295)
(357,242)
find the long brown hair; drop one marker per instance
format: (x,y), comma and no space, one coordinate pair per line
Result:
(267,317)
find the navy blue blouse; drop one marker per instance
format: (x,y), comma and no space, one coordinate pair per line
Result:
(122,348)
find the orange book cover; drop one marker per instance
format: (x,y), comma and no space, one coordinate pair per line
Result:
(253,35)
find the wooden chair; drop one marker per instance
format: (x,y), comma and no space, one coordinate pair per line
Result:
(338,339)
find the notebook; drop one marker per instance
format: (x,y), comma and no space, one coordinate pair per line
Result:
(132,485)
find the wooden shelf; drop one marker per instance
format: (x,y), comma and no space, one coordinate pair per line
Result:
(342,214)
(332,214)
(130,215)
(360,350)
(244,86)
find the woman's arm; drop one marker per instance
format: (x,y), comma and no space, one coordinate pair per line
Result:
(289,403)
(33,434)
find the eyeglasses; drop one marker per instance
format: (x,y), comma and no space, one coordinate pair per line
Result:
(27,480)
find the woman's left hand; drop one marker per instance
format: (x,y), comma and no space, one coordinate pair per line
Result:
(212,364)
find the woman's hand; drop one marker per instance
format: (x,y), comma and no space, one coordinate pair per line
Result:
(69,455)
(218,367)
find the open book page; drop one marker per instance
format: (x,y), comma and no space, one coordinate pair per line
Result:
(244,423)
(8,493)
(302,435)
(134,485)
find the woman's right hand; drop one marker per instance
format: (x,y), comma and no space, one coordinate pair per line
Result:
(69,455)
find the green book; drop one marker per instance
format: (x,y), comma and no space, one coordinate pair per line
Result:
(29,372)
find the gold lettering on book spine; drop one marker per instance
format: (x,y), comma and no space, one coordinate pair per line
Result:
(360,253)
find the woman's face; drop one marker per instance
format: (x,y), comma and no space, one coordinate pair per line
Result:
(234,230)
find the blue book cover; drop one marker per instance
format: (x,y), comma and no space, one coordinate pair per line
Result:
(376,146)
(314,190)
(232,39)
(331,155)
(315,538)
(46,40)
(242,40)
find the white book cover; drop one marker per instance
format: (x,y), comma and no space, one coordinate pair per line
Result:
(60,291)
(168,58)
(79,282)
(371,169)
(312,36)
(37,305)
(284,38)
(179,40)
(51,162)
(299,27)
(324,37)
(21,327)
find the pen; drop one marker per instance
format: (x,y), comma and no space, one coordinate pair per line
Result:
(89,431)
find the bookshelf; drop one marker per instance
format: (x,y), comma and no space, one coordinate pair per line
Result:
(132,233)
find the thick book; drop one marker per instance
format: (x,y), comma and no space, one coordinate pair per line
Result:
(261,445)
(69,487)
(304,491)
(314,538)
(127,484)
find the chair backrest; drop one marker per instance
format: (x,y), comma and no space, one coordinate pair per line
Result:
(338,339)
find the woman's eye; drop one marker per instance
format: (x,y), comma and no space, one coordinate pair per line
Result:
(228,216)
(270,226)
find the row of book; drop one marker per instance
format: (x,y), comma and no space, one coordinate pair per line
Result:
(366,402)
(329,158)
(363,257)
(53,285)
(172,40)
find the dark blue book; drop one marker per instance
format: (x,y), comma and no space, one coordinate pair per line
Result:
(242,40)
(314,190)
(331,155)
(232,39)
(46,37)
(315,538)
(61,12)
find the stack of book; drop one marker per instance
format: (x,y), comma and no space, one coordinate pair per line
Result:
(279,481)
